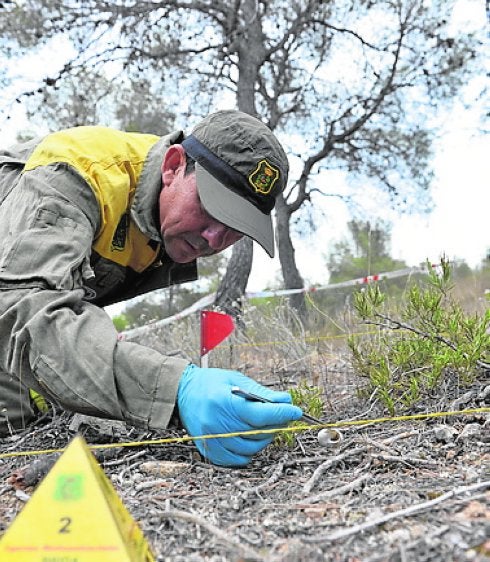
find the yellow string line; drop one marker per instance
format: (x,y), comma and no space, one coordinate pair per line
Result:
(295,428)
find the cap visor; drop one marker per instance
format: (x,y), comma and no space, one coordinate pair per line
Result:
(234,211)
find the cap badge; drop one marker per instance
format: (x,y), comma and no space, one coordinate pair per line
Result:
(263,177)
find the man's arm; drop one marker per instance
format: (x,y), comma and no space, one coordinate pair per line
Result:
(52,340)
(67,349)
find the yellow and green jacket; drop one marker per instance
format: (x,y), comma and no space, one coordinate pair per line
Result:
(79,230)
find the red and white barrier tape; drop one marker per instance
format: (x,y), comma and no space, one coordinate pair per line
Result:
(359,281)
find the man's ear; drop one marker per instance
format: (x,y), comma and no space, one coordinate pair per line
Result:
(173,161)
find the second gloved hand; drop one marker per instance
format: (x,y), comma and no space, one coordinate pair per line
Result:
(206,406)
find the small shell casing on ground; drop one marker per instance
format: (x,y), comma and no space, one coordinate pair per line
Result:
(329,437)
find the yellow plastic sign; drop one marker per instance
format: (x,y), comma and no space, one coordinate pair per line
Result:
(75,515)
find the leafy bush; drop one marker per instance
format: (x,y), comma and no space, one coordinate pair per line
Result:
(414,348)
(310,400)
(121,322)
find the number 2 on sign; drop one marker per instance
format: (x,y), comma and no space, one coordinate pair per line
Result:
(65,525)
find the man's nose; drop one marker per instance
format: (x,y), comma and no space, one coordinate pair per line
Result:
(218,236)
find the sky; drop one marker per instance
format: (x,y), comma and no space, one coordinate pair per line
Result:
(458,226)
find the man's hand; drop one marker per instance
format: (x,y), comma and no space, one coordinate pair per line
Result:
(207,406)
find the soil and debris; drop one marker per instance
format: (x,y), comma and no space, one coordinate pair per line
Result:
(388,492)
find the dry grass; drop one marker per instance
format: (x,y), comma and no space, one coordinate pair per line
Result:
(389,493)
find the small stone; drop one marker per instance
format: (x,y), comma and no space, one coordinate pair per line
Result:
(444,433)
(484,395)
(470,431)
(470,475)
(163,468)
(22,496)
(101,426)
(463,400)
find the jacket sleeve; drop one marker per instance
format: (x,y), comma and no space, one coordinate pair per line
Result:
(51,339)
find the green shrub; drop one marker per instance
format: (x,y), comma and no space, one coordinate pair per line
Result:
(424,339)
(121,322)
(309,399)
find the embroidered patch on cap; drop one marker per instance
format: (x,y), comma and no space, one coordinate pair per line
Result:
(263,177)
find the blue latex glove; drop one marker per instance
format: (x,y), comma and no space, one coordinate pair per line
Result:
(207,406)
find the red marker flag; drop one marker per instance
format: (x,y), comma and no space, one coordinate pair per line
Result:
(215,327)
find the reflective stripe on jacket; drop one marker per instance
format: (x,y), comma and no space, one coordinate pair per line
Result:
(128,241)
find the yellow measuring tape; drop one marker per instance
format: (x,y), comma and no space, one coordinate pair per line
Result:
(295,428)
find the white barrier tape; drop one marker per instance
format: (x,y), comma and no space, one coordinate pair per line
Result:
(359,281)
(198,305)
(209,299)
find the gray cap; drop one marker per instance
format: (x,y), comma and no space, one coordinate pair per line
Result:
(240,169)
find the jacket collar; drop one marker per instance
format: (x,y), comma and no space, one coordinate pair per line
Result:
(144,210)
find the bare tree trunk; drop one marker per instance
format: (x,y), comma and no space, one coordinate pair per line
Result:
(233,285)
(291,275)
(249,45)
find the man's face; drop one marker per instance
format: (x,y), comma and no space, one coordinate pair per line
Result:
(188,231)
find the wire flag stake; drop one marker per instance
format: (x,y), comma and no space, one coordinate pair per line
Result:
(215,328)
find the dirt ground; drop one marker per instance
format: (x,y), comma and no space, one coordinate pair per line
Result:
(388,492)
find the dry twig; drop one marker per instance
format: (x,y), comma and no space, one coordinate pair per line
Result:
(328,464)
(273,478)
(411,510)
(229,541)
(339,490)
(405,459)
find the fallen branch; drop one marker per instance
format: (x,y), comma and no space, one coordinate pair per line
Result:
(408,511)
(340,490)
(320,470)
(275,476)
(124,459)
(32,473)
(221,535)
(405,459)
(329,463)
